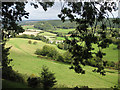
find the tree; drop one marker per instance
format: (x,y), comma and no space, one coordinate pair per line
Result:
(11,13)
(47,78)
(87,15)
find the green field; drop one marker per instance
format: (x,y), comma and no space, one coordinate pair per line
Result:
(50,36)
(28,27)
(65,31)
(26,62)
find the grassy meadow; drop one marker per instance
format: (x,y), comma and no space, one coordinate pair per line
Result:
(26,62)
(28,27)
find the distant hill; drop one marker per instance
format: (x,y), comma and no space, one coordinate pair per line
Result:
(53,24)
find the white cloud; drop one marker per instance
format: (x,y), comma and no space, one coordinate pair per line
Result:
(51,13)
(39,13)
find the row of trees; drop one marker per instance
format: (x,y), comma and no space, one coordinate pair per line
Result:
(37,37)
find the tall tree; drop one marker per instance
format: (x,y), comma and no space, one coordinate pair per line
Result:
(87,15)
(12,13)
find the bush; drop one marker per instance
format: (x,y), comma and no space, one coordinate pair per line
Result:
(33,81)
(82,88)
(67,57)
(9,74)
(64,46)
(60,58)
(34,42)
(110,64)
(49,51)
(38,52)
(47,78)
(29,41)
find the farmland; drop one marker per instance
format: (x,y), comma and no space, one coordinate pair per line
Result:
(26,62)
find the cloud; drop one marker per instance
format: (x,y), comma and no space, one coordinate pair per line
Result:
(39,13)
(51,13)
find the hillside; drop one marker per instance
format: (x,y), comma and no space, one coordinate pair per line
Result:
(26,62)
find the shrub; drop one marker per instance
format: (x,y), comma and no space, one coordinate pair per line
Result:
(38,52)
(32,36)
(47,78)
(49,51)
(64,46)
(67,57)
(29,41)
(33,81)
(52,53)
(34,42)
(110,64)
(9,74)
(60,58)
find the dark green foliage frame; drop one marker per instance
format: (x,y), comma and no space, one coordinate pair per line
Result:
(86,15)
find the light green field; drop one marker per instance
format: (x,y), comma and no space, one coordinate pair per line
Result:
(26,62)
(64,30)
(28,27)
(50,36)
(111,52)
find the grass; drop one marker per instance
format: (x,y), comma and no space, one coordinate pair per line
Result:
(11,84)
(49,35)
(28,27)
(60,38)
(111,52)
(26,62)
(65,31)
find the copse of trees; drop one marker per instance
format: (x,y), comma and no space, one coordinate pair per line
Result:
(52,25)
(43,26)
(51,52)
(48,51)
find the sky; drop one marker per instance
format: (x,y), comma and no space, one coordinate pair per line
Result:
(51,13)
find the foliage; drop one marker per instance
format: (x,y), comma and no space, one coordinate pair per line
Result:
(89,17)
(38,37)
(53,25)
(64,46)
(12,75)
(49,51)
(47,78)
(33,82)
(29,42)
(67,57)
(12,12)
(38,52)
(60,58)
(34,42)
(43,26)
(82,88)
